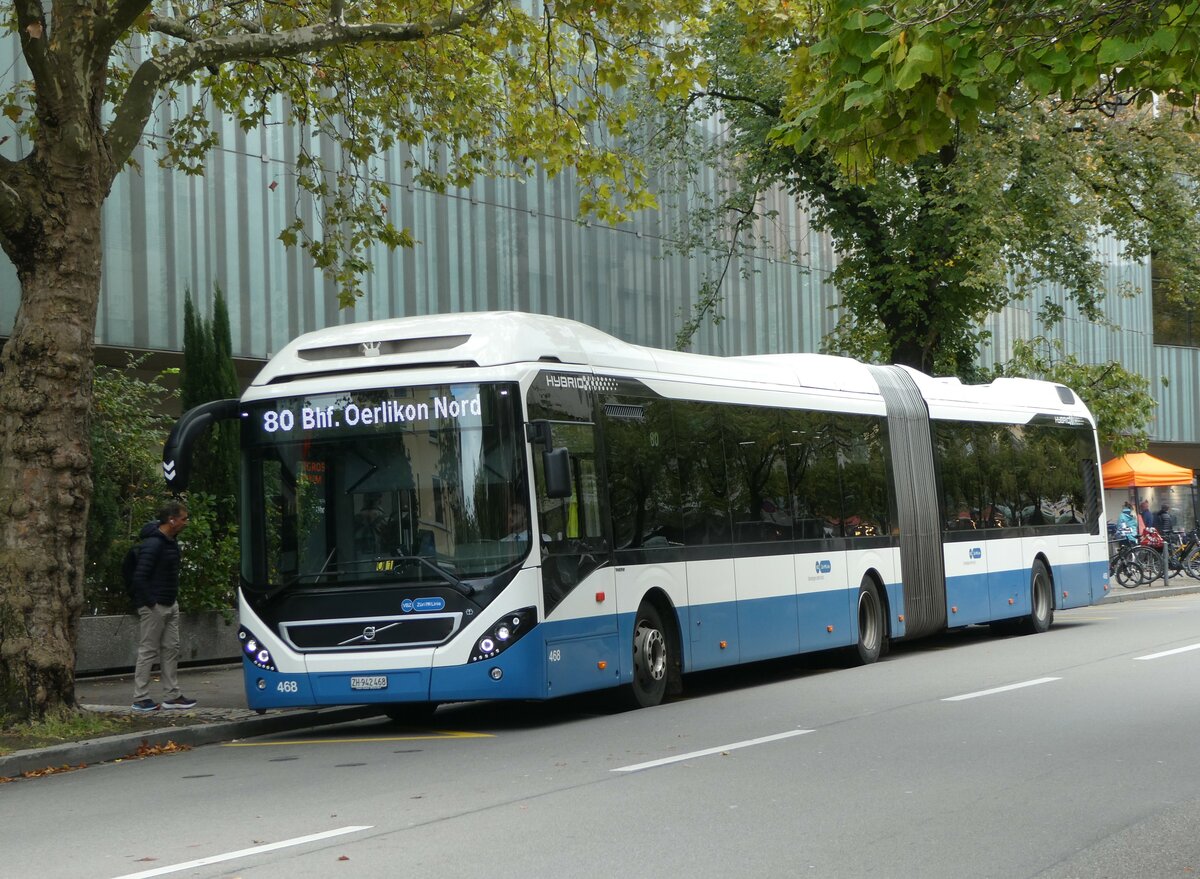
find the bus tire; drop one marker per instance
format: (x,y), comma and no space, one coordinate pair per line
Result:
(871,630)
(410,713)
(651,658)
(1041,601)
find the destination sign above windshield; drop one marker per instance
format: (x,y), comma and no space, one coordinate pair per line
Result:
(350,411)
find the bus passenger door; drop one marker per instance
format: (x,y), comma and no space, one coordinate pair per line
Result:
(760,502)
(582,644)
(707,536)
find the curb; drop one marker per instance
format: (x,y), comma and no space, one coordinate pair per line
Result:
(110,748)
(1119,594)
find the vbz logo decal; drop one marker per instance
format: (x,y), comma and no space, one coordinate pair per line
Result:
(976,552)
(824,566)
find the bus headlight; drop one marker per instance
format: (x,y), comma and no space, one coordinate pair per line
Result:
(252,649)
(503,633)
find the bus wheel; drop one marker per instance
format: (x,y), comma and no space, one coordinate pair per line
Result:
(651,658)
(410,713)
(870,625)
(1041,601)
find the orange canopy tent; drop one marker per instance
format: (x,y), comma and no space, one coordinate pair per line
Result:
(1139,470)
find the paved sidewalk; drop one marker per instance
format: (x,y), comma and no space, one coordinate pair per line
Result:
(1178,585)
(220,715)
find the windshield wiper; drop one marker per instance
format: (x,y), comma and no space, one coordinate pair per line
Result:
(458,585)
(371,566)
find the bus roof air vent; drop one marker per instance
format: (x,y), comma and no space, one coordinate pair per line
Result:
(378,348)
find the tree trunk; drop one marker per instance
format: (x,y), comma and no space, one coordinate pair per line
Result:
(45,452)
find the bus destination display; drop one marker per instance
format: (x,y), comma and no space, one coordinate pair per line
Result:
(352,412)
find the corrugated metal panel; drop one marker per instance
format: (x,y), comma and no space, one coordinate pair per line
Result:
(1177,420)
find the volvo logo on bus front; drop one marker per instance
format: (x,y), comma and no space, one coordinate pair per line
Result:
(369,633)
(824,566)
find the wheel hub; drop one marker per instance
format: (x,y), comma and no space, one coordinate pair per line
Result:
(650,653)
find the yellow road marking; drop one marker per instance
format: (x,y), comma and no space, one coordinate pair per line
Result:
(446,734)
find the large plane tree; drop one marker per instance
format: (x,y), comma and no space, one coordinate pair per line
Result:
(492,86)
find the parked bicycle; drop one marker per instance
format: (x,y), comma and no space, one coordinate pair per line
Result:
(1184,552)
(1134,561)
(1123,568)
(1131,564)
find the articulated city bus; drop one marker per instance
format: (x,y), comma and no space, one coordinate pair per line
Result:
(515,506)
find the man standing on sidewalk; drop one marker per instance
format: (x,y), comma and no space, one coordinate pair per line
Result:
(155,593)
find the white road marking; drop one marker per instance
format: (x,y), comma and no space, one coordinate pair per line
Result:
(994,690)
(1169,652)
(244,853)
(708,751)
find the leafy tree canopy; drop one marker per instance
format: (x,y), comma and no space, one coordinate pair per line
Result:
(1120,400)
(930,248)
(493,87)
(897,80)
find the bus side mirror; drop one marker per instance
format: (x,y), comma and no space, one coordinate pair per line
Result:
(538,432)
(556,465)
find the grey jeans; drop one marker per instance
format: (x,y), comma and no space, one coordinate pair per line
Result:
(158,639)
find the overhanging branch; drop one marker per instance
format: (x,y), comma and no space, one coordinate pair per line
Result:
(133,110)
(31,24)
(123,14)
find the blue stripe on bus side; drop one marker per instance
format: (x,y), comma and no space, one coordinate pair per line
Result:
(522,668)
(278,690)
(981,598)
(1083,583)
(765,628)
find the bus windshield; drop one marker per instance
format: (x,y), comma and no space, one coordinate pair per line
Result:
(422,485)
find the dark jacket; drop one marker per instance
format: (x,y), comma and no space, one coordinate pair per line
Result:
(156,576)
(1164,521)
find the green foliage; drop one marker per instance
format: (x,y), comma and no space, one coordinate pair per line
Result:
(209,569)
(128,429)
(495,88)
(209,374)
(903,79)
(1119,399)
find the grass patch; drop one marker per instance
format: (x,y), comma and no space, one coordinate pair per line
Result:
(71,726)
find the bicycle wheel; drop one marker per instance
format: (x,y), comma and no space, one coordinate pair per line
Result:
(1150,560)
(1128,572)
(1191,563)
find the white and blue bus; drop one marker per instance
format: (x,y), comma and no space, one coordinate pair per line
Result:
(515,506)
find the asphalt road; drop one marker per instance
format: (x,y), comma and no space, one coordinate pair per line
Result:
(1068,754)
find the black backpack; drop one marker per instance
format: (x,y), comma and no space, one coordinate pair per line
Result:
(128,566)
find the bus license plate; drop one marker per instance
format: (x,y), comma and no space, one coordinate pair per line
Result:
(378,682)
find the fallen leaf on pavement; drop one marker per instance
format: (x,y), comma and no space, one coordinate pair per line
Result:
(51,770)
(145,749)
